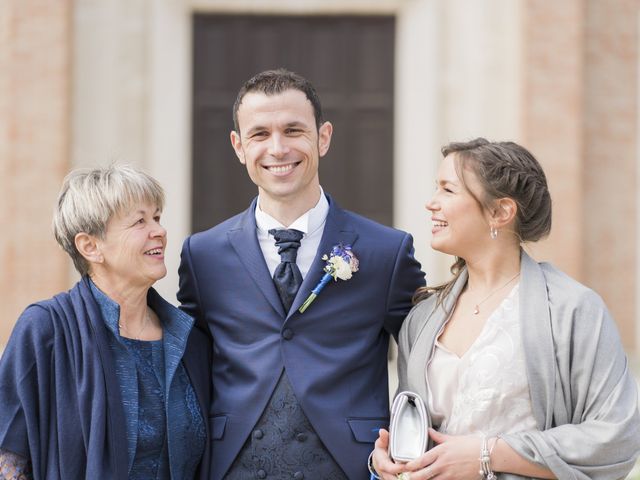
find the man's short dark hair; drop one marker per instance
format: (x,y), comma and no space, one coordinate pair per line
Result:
(273,82)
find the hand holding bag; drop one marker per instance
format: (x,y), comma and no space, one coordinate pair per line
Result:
(408,427)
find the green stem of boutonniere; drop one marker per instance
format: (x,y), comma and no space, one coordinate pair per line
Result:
(315,292)
(307,302)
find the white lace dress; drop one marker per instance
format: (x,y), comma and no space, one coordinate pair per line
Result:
(486,390)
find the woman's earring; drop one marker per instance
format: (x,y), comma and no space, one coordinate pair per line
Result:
(493,232)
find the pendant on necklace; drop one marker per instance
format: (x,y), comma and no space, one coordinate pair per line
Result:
(476,310)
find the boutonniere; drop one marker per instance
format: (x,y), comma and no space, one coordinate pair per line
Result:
(341,264)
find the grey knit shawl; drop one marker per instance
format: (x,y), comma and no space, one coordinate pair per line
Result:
(584,398)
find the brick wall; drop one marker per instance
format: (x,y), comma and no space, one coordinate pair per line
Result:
(611,145)
(578,115)
(35,46)
(580,119)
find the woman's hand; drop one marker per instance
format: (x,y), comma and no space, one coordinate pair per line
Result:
(453,457)
(384,467)
(458,457)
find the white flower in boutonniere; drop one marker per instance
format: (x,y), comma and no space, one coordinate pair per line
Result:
(341,269)
(341,264)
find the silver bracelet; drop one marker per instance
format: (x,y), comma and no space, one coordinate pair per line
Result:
(372,470)
(485,460)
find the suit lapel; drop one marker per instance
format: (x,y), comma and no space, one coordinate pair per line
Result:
(244,241)
(336,230)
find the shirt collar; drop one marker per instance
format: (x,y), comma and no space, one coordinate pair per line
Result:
(174,321)
(307,223)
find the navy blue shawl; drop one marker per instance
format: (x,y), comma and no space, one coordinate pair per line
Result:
(60,404)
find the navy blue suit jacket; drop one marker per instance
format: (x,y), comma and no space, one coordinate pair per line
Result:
(335,353)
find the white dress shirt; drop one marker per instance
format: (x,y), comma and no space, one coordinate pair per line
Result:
(311,224)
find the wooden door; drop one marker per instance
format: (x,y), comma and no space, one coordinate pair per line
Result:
(349,60)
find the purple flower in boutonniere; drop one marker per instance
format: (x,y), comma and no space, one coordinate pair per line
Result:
(341,264)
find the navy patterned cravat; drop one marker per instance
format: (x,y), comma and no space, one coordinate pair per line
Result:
(287,276)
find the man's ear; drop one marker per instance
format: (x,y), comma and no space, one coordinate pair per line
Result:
(324,138)
(88,247)
(504,212)
(237,146)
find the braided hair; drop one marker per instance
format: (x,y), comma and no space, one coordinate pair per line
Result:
(504,170)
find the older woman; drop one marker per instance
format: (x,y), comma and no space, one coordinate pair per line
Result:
(520,366)
(106,380)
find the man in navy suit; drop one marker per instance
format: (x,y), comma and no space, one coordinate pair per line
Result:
(295,395)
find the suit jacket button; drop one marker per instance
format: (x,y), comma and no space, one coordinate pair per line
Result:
(261,474)
(298,476)
(301,437)
(287,334)
(258,434)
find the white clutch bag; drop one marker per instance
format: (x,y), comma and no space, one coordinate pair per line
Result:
(408,427)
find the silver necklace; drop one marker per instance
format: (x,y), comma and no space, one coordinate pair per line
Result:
(147,321)
(476,310)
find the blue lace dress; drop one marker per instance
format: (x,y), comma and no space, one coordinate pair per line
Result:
(151,460)
(165,428)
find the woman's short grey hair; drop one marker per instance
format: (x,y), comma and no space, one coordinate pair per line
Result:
(90,197)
